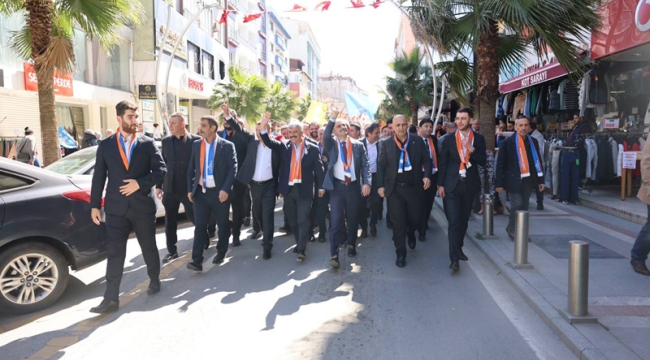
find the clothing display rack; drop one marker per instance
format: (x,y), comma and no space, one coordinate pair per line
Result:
(8,146)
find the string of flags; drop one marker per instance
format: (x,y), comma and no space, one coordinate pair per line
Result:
(322,6)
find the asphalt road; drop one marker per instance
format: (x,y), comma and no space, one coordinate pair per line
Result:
(282,309)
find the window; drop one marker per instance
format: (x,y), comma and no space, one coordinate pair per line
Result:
(178,4)
(193,58)
(80,55)
(73,119)
(8,25)
(9,182)
(112,69)
(207,65)
(263,70)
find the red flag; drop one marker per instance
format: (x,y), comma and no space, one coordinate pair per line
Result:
(376,3)
(251,17)
(297,8)
(224,17)
(357,4)
(325,5)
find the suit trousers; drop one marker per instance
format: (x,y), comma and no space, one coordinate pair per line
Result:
(427,206)
(370,204)
(322,207)
(118,229)
(263,210)
(404,206)
(205,204)
(519,201)
(297,210)
(458,207)
(238,208)
(172,203)
(344,199)
(248,202)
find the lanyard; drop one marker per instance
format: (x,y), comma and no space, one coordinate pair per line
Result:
(126,160)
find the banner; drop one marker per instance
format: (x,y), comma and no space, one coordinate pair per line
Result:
(61,83)
(317,113)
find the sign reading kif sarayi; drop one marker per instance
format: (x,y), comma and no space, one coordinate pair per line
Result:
(61,82)
(545,73)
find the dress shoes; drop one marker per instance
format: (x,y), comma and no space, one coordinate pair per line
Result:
(401,261)
(211,234)
(285,229)
(255,235)
(218,259)
(411,241)
(322,238)
(422,237)
(169,257)
(247,221)
(154,287)
(334,262)
(352,251)
(373,230)
(462,256)
(295,249)
(364,233)
(106,307)
(511,234)
(540,206)
(640,268)
(267,254)
(301,256)
(454,266)
(194,266)
(389,225)
(206,245)
(312,238)
(236,242)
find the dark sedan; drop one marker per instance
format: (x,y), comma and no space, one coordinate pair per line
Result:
(45,228)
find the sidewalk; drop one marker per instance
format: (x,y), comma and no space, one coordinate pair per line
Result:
(618,297)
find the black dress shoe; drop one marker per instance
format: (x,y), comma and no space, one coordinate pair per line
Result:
(334,262)
(285,229)
(255,235)
(301,256)
(267,254)
(236,243)
(106,307)
(364,233)
(212,234)
(422,237)
(462,256)
(194,266)
(540,206)
(352,252)
(389,225)
(454,266)
(401,261)
(169,257)
(247,221)
(322,238)
(373,230)
(411,242)
(640,268)
(218,259)
(154,288)
(206,245)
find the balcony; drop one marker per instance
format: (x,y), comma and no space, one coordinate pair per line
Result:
(250,45)
(233,36)
(262,54)
(280,42)
(280,62)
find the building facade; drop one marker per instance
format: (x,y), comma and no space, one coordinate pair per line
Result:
(279,40)
(332,89)
(305,48)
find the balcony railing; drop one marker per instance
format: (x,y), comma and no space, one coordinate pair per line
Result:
(262,55)
(249,45)
(282,44)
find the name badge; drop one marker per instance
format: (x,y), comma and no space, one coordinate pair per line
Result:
(210,182)
(469,164)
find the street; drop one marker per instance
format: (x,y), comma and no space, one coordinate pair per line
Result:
(283,309)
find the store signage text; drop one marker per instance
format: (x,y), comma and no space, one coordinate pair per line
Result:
(642,15)
(147,92)
(534,79)
(61,83)
(611,124)
(194,84)
(545,73)
(629,159)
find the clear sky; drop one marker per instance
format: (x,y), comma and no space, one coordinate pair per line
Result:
(353,42)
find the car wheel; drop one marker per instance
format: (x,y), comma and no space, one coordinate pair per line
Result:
(33,276)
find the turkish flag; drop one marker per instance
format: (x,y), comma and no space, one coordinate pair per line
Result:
(224,17)
(297,8)
(251,17)
(376,3)
(325,5)
(357,4)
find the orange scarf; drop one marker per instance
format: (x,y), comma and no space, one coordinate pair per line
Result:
(464,159)
(348,158)
(125,159)
(432,152)
(295,175)
(524,167)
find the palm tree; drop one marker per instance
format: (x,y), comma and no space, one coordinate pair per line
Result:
(412,86)
(280,103)
(47,39)
(303,107)
(245,94)
(499,32)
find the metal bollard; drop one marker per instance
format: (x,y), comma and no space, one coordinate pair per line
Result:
(521,239)
(578,277)
(488,215)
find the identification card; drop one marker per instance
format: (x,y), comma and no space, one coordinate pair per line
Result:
(209,182)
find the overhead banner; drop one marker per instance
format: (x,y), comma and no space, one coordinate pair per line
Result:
(61,82)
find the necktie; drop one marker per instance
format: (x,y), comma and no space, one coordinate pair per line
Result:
(345,151)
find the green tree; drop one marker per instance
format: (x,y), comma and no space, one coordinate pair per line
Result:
(280,103)
(499,33)
(412,85)
(245,93)
(303,107)
(47,39)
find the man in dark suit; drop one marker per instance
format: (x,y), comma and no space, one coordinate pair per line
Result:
(301,171)
(176,151)
(431,142)
(401,180)
(210,179)
(133,165)
(519,170)
(372,202)
(458,179)
(322,203)
(347,178)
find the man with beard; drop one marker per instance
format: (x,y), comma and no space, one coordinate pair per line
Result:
(313,131)
(133,165)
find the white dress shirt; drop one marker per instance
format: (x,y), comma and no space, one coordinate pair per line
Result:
(372,156)
(209,181)
(339,171)
(263,164)
(127,144)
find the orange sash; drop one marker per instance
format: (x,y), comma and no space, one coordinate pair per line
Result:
(348,158)
(464,159)
(295,175)
(524,167)
(125,159)
(432,152)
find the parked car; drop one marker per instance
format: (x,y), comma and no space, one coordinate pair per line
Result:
(45,228)
(82,162)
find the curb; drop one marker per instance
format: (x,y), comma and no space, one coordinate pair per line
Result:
(575,341)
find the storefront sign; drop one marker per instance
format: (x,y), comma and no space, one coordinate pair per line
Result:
(624,24)
(611,124)
(629,159)
(192,84)
(545,73)
(147,92)
(62,82)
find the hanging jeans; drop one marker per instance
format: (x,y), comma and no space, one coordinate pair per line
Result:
(570,172)
(555,170)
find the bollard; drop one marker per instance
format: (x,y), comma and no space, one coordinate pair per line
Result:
(488,215)
(521,239)
(578,277)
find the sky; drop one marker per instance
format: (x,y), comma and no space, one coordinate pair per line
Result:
(354,42)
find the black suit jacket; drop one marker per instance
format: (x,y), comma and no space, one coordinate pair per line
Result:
(247,167)
(312,167)
(146,167)
(177,164)
(449,162)
(507,174)
(225,167)
(388,162)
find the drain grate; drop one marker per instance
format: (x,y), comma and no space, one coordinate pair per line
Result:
(558,246)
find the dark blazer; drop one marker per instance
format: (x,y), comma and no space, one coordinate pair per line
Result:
(146,167)
(177,164)
(225,167)
(449,162)
(388,162)
(247,167)
(507,174)
(312,167)
(359,156)
(239,139)
(434,177)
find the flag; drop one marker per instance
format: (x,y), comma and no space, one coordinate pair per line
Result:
(251,17)
(357,3)
(297,8)
(325,5)
(65,139)
(317,111)
(376,3)
(224,17)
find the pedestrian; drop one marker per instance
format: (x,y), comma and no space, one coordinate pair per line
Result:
(535,134)
(347,177)
(210,177)
(157,133)
(451,128)
(133,166)
(90,139)
(301,172)
(401,180)
(641,248)
(519,170)
(26,148)
(322,203)
(431,142)
(371,143)
(355,130)
(109,132)
(460,155)
(176,152)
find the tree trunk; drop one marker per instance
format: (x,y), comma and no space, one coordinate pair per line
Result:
(40,21)
(487,81)
(414,113)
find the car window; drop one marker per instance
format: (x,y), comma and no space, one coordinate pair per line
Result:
(9,182)
(73,163)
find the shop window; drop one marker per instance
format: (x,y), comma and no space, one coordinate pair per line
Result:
(207,65)
(111,69)
(7,26)
(193,58)
(222,70)
(73,119)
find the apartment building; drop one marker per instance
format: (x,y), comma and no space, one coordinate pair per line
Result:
(279,40)
(332,89)
(304,47)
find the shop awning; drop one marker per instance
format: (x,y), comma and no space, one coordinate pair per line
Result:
(547,72)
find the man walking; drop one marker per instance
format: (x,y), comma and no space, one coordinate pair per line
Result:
(461,153)
(641,247)
(176,151)
(401,180)
(535,134)
(426,130)
(133,165)
(519,170)
(371,143)
(210,179)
